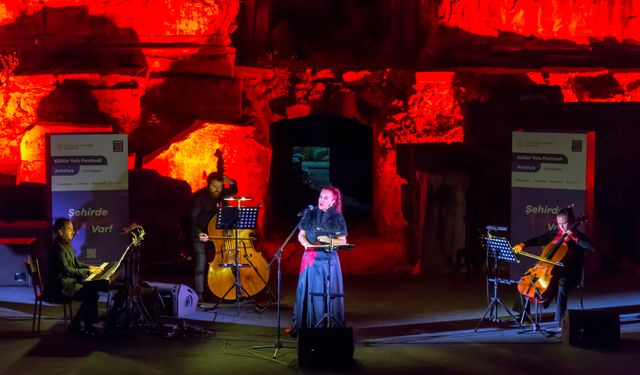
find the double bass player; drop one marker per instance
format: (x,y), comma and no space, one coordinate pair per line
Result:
(204,204)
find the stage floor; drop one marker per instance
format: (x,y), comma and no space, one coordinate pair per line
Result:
(402,324)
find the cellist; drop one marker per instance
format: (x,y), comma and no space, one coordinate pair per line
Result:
(204,205)
(576,243)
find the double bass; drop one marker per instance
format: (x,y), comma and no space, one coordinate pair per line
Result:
(537,284)
(252,267)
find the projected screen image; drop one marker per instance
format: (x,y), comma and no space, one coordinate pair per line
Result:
(312,165)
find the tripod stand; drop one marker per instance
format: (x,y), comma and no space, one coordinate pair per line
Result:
(277,257)
(327,296)
(498,248)
(127,301)
(535,319)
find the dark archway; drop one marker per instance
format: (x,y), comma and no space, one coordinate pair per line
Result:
(345,144)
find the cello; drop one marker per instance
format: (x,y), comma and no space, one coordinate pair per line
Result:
(252,267)
(536,284)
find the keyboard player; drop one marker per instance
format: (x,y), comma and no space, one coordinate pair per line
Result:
(65,277)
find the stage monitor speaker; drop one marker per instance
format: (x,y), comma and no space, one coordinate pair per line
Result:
(178,300)
(325,347)
(589,328)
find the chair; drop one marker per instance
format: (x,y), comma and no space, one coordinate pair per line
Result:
(33,269)
(470,257)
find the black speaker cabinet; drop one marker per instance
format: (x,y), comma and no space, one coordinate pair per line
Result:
(176,300)
(325,347)
(589,328)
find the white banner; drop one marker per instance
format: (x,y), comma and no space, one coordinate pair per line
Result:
(549,171)
(81,162)
(549,160)
(89,184)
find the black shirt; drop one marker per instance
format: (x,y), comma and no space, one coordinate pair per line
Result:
(204,207)
(574,260)
(319,223)
(66,272)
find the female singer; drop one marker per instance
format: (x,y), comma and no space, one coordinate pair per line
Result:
(321,225)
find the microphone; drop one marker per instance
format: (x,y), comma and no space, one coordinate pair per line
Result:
(304,212)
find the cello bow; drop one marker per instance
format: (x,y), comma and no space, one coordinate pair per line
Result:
(540,258)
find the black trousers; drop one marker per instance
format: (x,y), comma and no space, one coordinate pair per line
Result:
(565,286)
(88,310)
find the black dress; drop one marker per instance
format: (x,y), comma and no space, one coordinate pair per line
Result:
(314,269)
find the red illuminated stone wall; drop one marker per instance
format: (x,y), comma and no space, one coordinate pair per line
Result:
(89,62)
(576,20)
(431,114)
(33,148)
(598,86)
(191,158)
(28,100)
(147,18)
(17,111)
(165,73)
(425,109)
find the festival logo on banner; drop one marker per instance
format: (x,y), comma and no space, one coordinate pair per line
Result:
(89,185)
(549,171)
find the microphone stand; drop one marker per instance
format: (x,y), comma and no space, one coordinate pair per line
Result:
(277,256)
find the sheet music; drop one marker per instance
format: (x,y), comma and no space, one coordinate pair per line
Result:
(500,248)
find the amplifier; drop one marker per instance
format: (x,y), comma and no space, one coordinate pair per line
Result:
(325,347)
(177,300)
(589,328)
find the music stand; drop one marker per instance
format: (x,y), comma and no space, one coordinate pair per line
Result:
(498,248)
(326,295)
(237,218)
